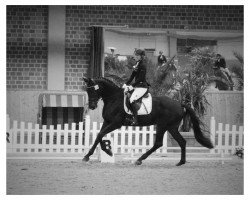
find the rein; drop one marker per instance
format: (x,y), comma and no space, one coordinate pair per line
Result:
(97,99)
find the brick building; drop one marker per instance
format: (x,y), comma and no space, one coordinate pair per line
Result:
(48,49)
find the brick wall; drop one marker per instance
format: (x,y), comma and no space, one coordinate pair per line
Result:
(27,47)
(27,35)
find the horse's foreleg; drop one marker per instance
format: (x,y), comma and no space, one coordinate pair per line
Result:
(106,128)
(182,142)
(158,143)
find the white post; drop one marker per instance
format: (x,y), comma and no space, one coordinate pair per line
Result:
(212,133)
(105,158)
(137,139)
(81,132)
(144,137)
(220,138)
(44,132)
(22,134)
(233,139)
(58,137)
(36,143)
(130,138)
(51,137)
(123,139)
(73,137)
(151,136)
(226,139)
(116,141)
(14,136)
(66,136)
(29,143)
(241,136)
(86,133)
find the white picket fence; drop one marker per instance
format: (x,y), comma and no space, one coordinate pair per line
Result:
(29,138)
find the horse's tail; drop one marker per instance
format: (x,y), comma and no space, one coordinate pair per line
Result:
(199,136)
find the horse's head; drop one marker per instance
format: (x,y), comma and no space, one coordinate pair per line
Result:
(93,93)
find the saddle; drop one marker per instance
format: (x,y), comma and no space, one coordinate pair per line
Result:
(143,104)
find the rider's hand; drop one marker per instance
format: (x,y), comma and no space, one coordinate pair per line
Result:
(130,88)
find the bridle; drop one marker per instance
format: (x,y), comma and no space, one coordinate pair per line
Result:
(96,96)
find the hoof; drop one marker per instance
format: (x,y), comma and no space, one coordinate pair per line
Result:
(85,159)
(109,152)
(138,162)
(180,163)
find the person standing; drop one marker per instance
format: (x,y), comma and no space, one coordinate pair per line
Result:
(220,63)
(161,58)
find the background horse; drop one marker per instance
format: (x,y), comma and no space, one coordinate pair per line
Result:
(166,115)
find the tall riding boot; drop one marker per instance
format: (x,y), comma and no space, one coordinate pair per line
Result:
(134,111)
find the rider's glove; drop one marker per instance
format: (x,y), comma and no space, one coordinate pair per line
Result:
(130,87)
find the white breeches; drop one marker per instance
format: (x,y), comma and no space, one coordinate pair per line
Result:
(138,93)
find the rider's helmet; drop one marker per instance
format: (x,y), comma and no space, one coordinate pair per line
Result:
(160,52)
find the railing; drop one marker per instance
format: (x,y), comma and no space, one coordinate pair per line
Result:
(29,138)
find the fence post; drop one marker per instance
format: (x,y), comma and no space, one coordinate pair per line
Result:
(241,136)
(58,137)
(233,139)
(212,132)
(51,137)
(144,138)
(14,136)
(123,139)
(29,142)
(116,141)
(22,135)
(137,135)
(73,137)
(66,137)
(80,136)
(87,133)
(44,133)
(130,139)
(226,139)
(220,137)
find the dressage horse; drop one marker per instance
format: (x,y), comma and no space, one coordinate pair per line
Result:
(166,115)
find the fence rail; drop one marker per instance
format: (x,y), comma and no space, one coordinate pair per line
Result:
(31,138)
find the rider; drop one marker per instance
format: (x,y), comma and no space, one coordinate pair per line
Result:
(140,84)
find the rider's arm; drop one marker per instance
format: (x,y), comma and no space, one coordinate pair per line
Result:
(131,77)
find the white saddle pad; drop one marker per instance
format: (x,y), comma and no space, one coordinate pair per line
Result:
(146,106)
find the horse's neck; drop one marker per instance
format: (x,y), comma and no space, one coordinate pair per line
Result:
(109,91)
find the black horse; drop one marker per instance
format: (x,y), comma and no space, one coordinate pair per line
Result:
(166,115)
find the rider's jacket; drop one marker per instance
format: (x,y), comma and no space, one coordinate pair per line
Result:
(139,74)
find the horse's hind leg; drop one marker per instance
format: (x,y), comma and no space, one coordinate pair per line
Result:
(182,142)
(158,143)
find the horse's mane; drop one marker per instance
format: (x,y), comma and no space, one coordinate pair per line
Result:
(102,79)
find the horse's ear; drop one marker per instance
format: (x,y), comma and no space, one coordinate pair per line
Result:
(86,80)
